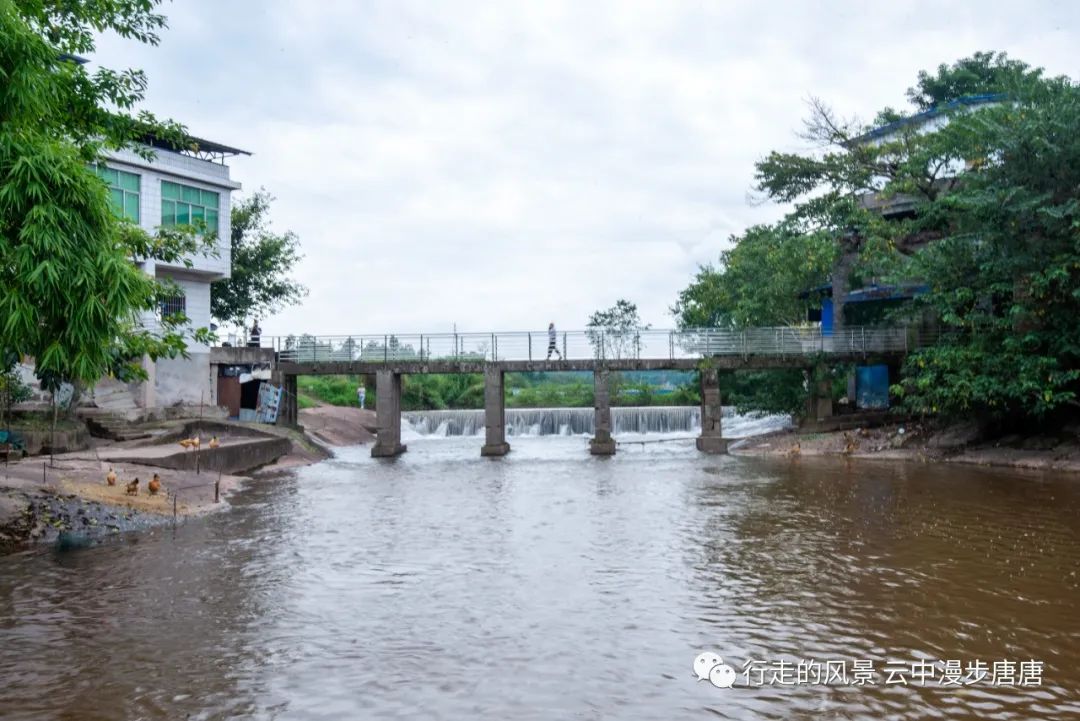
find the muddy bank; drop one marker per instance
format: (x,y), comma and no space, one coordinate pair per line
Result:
(65,519)
(69,500)
(339,425)
(961,443)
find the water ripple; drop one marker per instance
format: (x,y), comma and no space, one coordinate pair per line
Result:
(554,585)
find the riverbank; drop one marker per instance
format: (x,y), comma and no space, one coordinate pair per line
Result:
(916,442)
(68,500)
(339,425)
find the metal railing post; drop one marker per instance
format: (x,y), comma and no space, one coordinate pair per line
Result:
(530,345)
(421,347)
(494,348)
(385,348)
(862,329)
(564,345)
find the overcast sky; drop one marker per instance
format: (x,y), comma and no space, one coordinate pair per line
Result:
(501,164)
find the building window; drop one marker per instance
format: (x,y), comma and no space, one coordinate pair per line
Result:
(184,205)
(173,305)
(123,191)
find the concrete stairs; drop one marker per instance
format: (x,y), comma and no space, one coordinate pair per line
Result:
(115,397)
(112,412)
(103,424)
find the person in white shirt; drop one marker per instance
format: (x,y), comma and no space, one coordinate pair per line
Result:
(360,391)
(552,342)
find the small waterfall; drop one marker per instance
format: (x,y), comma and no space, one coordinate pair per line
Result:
(579,421)
(557,421)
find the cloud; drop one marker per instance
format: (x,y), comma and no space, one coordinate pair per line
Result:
(496,165)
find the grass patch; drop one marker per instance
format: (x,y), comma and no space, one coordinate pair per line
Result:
(40,422)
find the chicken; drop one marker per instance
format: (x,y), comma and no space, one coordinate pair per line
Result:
(195,442)
(795,450)
(132,488)
(110,477)
(154,485)
(187,443)
(214,443)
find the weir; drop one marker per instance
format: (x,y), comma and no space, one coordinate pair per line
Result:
(560,421)
(388,415)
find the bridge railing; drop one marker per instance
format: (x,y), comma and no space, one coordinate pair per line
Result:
(594,344)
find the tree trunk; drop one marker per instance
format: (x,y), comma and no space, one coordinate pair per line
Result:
(52,433)
(850,245)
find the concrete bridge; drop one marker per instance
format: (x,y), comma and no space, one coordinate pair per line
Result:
(390,356)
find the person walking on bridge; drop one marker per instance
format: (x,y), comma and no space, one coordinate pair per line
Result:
(552,342)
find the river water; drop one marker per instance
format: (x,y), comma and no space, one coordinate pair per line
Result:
(553,585)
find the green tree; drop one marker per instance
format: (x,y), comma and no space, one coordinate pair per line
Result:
(982,208)
(259,284)
(70,295)
(981,74)
(757,281)
(1005,278)
(615,332)
(12,388)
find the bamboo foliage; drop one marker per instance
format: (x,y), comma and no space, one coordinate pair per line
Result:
(71,295)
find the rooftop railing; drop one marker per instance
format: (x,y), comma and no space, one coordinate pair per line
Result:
(593,344)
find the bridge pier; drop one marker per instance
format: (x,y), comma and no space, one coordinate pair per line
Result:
(821,403)
(711,440)
(602,444)
(387,414)
(494,413)
(288,408)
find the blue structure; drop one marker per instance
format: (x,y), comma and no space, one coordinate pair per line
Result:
(872,387)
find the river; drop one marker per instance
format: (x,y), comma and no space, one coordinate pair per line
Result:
(553,585)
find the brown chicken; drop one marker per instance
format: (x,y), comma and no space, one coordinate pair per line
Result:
(110,477)
(154,485)
(132,489)
(195,442)
(214,443)
(187,443)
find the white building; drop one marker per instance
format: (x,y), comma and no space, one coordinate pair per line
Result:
(176,188)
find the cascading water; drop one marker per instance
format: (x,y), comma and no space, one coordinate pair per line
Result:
(579,421)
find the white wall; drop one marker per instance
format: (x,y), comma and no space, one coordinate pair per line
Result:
(197,295)
(197,173)
(182,380)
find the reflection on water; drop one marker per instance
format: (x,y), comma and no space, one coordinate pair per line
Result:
(551,584)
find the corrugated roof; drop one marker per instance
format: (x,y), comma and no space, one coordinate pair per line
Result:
(201,146)
(918,118)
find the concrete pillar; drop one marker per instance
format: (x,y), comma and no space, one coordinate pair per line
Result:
(602,444)
(822,390)
(289,401)
(288,406)
(711,439)
(494,413)
(387,414)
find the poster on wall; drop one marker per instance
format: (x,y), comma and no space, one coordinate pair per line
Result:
(269,402)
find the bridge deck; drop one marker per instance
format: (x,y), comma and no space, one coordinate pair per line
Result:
(587,350)
(728,362)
